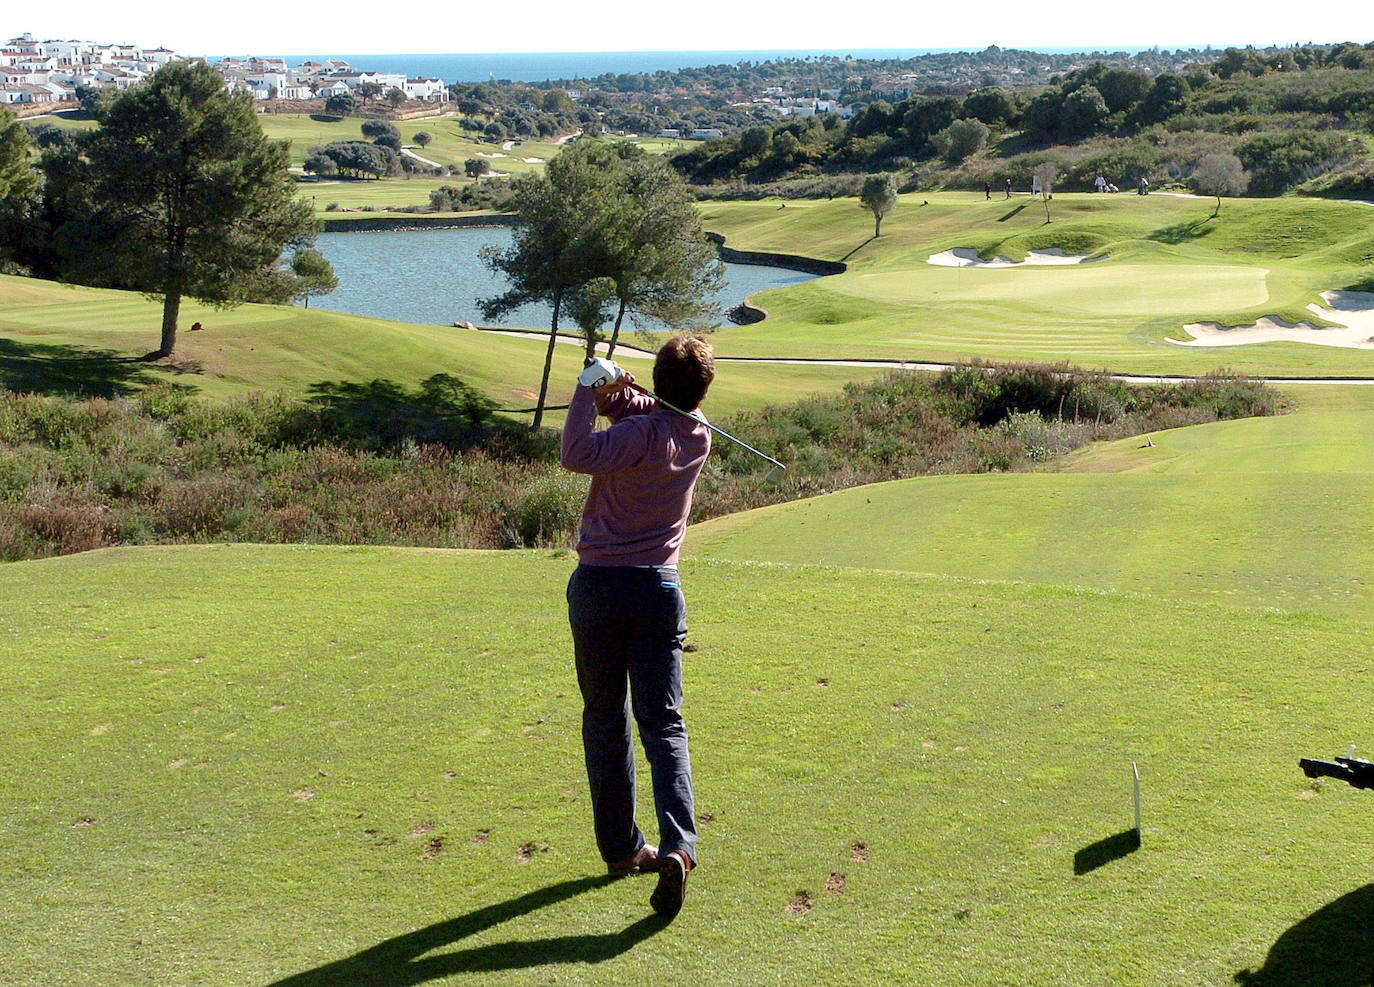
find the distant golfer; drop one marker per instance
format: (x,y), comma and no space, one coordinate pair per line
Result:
(626,607)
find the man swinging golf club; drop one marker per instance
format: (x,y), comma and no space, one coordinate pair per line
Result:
(625,605)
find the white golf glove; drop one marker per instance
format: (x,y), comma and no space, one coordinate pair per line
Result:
(599,372)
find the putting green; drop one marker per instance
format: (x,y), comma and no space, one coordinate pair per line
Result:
(1083,291)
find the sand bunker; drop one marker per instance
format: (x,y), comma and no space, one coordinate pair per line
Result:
(1352,310)
(968,257)
(532,160)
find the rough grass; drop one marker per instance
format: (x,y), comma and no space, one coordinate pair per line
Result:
(379,463)
(366,764)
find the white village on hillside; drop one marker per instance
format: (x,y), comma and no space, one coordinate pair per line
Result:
(34,72)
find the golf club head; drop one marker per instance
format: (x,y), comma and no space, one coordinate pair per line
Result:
(774,475)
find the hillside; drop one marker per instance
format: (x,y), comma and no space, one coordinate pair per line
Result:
(1158,264)
(71,339)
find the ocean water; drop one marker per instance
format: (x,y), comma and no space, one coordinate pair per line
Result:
(542,66)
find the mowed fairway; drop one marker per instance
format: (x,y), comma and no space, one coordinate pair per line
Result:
(328,766)
(55,336)
(1160,263)
(1265,511)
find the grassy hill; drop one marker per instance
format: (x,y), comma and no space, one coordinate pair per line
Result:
(360,766)
(1166,265)
(69,338)
(1264,512)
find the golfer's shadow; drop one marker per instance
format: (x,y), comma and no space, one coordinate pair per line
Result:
(403,961)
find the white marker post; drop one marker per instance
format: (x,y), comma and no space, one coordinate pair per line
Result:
(1135,785)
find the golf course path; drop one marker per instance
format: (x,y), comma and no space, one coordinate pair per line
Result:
(637,353)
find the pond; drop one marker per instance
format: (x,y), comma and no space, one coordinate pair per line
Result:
(436,277)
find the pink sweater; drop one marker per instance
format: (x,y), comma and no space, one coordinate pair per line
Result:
(643,469)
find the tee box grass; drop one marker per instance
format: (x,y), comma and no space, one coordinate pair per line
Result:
(310,766)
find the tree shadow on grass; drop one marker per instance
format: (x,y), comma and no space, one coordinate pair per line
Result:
(1183,232)
(401,961)
(442,410)
(48,368)
(1332,947)
(1013,212)
(857,249)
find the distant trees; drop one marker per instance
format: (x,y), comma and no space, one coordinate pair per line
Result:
(879,196)
(18,184)
(1220,174)
(179,193)
(476,167)
(340,104)
(368,91)
(380,128)
(353,159)
(395,97)
(993,106)
(600,231)
(960,139)
(313,273)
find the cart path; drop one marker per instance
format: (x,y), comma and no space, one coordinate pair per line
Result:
(639,353)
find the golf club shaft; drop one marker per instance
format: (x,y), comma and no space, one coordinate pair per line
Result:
(702,421)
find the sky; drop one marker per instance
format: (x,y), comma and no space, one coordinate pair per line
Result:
(350,27)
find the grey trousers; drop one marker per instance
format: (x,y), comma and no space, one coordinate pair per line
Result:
(628,625)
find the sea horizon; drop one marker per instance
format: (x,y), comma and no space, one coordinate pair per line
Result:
(533,67)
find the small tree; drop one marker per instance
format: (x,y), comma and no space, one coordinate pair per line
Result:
(1220,174)
(314,275)
(879,196)
(476,167)
(368,91)
(340,104)
(423,138)
(395,97)
(1047,173)
(560,244)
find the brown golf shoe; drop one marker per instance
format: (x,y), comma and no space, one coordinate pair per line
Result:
(672,884)
(642,861)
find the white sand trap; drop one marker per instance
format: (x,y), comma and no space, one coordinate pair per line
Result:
(968,257)
(1352,310)
(532,160)
(493,154)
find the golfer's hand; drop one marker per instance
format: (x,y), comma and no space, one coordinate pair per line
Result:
(623,381)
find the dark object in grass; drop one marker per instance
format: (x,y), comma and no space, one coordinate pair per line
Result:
(1355,772)
(1106,850)
(1331,947)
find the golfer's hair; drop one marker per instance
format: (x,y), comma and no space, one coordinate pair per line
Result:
(683,370)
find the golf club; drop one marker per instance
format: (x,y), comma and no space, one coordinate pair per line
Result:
(600,372)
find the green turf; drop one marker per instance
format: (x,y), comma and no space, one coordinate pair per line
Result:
(1265,512)
(1166,265)
(226,764)
(53,336)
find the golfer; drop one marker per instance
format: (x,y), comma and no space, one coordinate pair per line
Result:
(626,607)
